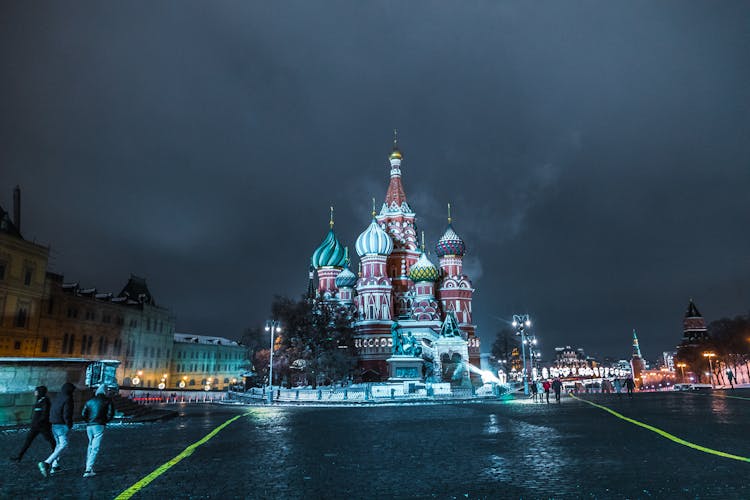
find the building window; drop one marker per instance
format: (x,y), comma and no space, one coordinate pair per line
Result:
(192,381)
(45,344)
(21,317)
(28,273)
(17,345)
(101,345)
(3,265)
(50,305)
(71,343)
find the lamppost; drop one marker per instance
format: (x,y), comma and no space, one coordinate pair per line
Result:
(682,366)
(710,355)
(532,345)
(520,323)
(273,326)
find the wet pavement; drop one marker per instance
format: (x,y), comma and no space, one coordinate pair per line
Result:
(475,450)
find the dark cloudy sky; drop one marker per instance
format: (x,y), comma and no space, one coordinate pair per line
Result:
(597,153)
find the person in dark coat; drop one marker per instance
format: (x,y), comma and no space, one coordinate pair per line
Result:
(97,412)
(630,384)
(557,387)
(39,423)
(61,418)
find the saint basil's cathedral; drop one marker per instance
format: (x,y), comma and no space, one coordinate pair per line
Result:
(397,281)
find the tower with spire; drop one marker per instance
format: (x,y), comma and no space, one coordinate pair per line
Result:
(694,328)
(328,260)
(398,220)
(637,363)
(455,288)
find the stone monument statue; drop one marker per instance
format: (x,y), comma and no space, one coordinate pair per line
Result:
(397,338)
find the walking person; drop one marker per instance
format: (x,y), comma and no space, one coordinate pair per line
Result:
(61,418)
(618,388)
(630,384)
(730,377)
(557,387)
(39,423)
(546,386)
(534,390)
(97,412)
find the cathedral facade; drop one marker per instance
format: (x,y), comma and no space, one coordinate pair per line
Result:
(397,281)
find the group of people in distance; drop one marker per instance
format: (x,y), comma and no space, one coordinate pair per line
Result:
(54,420)
(537,387)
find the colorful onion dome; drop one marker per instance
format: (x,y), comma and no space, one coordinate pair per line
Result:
(450,244)
(346,278)
(330,253)
(423,270)
(374,240)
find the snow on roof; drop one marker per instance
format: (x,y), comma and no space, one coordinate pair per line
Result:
(37,360)
(203,339)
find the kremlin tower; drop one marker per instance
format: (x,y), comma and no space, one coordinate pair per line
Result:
(397,282)
(694,326)
(637,363)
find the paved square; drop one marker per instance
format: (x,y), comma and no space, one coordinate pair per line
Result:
(478,450)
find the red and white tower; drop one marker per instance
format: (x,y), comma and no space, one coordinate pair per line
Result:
(374,301)
(397,219)
(328,260)
(455,288)
(455,292)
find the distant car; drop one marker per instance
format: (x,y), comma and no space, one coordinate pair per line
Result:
(692,387)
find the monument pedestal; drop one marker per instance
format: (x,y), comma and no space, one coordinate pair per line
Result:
(403,368)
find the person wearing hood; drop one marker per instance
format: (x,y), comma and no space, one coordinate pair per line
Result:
(39,422)
(61,418)
(97,412)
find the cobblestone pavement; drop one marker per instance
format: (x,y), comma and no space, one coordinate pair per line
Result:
(481,450)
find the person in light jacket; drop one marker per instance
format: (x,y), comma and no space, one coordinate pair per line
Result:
(97,412)
(61,418)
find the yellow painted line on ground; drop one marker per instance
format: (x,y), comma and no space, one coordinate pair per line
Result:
(165,467)
(714,394)
(665,434)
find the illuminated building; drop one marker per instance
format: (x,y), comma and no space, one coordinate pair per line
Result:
(201,362)
(398,281)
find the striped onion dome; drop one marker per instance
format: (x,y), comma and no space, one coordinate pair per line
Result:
(374,240)
(346,278)
(330,253)
(423,270)
(450,244)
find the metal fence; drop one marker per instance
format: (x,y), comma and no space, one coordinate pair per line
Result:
(372,393)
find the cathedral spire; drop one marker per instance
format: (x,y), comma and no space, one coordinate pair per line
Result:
(330,222)
(395,197)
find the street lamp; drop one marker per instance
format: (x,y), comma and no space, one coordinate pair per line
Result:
(710,355)
(682,366)
(520,323)
(273,326)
